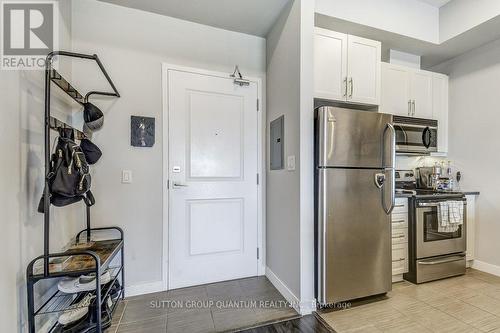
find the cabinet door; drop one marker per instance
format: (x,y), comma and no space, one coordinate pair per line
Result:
(330,65)
(395,94)
(440,109)
(363,70)
(421,94)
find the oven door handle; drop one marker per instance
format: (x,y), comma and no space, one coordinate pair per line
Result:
(435,204)
(442,261)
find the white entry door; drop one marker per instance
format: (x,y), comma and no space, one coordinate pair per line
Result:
(213,165)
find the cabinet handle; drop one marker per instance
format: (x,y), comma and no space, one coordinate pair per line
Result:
(352,87)
(398,221)
(399,206)
(345,86)
(409,107)
(398,260)
(413,113)
(397,237)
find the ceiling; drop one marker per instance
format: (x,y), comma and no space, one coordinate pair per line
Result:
(254,17)
(436,3)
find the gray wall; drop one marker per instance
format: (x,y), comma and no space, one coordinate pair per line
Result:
(283,187)
(290,224)
(132,45)
(22,178)
(473,145)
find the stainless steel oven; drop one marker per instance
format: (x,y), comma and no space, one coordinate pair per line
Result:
(434,254)
(415,136)
(432,242)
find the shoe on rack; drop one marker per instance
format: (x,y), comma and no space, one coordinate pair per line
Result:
(76,311)
(82,283)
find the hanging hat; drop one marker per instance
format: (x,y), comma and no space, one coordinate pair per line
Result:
(90,150)
(93,117)
(87,131)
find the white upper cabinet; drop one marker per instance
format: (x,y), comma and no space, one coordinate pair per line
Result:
(395,90)
(406,91)
(330,64)
(363,70)
(440,109)
(415,93)
(346,68)
(421,94)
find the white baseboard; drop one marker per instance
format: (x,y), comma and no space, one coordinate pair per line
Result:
(284,290)
(486,267)
(144,288)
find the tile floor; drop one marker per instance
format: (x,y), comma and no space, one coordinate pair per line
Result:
(306,324)
(469,303)
(214,307)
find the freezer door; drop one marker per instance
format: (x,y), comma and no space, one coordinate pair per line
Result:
(354,235)
(352,138)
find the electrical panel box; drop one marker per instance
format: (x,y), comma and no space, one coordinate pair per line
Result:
(277,141)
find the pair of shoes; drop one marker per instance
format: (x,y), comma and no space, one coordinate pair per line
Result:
(82,283)
(76,311)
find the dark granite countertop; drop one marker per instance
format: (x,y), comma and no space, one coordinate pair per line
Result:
(471,192)
(408,195)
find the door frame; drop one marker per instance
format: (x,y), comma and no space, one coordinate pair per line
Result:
(261,220)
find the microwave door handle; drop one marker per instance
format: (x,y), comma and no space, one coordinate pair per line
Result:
(426,137)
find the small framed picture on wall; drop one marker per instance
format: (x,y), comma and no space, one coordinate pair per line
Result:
(142,131)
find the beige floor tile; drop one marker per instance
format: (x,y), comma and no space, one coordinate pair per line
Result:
(487,323)
(403,325)
(345,320)
(485,303)
(468,304)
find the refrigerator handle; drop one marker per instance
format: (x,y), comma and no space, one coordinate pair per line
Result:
(392,189)
(393,145)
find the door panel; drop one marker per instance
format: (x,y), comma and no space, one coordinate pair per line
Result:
(358,235)
(330,64)
(212,172)
(395,90)
(220,214)
(421,91)
(363,70)
(430,241)
(215,137)
(350,138)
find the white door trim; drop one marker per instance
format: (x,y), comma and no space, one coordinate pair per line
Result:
(261,262)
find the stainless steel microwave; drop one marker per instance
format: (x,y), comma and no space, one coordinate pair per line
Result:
(415,136)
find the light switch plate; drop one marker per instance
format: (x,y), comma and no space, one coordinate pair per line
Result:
(290,163)
(126,176)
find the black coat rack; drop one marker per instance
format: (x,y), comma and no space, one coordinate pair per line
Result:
(98,265)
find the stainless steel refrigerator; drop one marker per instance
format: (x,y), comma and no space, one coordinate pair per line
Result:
(354,153)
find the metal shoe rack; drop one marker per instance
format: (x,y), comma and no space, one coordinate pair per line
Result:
(95,258)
